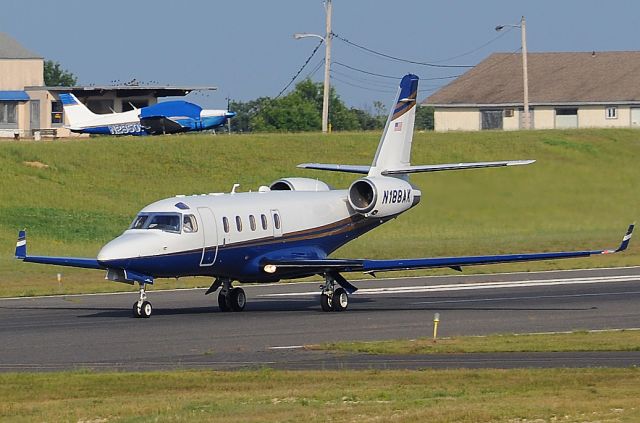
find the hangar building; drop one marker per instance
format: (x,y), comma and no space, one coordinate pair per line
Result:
(566,90)
(28,107)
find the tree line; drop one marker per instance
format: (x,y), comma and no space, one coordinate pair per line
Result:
(301,110)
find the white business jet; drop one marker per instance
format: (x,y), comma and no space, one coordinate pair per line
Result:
(286,230)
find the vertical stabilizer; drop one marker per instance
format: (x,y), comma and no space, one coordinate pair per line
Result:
(77,113)
(394,150)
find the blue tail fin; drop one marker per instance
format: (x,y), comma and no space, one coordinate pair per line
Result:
(21,245)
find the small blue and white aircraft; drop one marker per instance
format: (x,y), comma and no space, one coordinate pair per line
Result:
(168,117)
(286,230)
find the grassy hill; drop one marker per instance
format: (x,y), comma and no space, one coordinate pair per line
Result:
(75,195)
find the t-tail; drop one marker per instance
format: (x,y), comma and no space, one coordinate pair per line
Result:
(394,149)
(393,157)
(77,113)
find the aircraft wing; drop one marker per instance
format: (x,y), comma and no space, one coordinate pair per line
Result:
(373,266)
(21,254)
(336,167)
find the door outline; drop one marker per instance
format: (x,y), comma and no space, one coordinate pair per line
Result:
(34,114)
(277,232)
(209,236)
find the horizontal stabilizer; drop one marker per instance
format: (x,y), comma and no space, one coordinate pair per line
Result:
(336,167)
(454,166)
(413,169)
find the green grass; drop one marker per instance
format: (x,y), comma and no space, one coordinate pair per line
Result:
(562,395)
(581,193)
(613,340)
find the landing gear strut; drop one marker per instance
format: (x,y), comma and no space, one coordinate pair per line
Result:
(229,298)
(332,298)
(142,307)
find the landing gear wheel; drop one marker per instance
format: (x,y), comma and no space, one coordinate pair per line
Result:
(222,302)
(340,300)
(236,300)
(326,302)
(136,310)
(146,309)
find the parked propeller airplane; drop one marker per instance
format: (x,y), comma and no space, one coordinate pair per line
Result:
(168,117)
(286,230)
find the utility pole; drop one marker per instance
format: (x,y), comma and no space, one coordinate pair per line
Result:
(327,69)
(525,76)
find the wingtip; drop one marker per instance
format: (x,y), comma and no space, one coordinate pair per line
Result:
(21,245)
(627,238)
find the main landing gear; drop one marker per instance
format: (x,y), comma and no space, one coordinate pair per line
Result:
(332,298)
(229,298)
(142,307)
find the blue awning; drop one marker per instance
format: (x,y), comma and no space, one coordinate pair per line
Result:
(14,96)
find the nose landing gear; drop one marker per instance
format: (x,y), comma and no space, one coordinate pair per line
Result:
(142,307)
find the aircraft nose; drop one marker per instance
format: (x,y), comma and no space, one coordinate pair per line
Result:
(116,250)
(229,114)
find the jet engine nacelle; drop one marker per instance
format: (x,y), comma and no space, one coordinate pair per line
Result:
(382,196)
(299,184)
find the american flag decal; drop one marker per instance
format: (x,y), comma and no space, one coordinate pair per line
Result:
(397,127)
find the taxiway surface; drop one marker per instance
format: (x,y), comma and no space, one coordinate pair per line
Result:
(187,330)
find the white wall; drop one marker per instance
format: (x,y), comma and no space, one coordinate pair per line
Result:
(456,120)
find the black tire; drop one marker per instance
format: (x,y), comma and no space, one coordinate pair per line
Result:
(136,310)
(222,302)
(340,300)
(146,310)
(237,299)
(325,302)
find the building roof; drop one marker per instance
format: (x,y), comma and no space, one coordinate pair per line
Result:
(125,90)
(11,49)
(554,78)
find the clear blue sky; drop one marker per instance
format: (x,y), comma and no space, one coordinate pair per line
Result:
(246,47)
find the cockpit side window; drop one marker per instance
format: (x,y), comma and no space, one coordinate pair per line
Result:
(139,221)
(165,222)
(189,223)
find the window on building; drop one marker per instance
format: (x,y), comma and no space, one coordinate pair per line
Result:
(252,222)
(225,224)
(263,218)
(8,112)
(239,223)
(491,119)
(57,113)
(612,112)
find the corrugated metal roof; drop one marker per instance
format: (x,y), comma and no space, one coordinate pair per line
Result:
(14,96)
(11,49)
(554,78)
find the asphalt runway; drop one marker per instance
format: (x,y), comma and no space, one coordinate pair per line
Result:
(187,330)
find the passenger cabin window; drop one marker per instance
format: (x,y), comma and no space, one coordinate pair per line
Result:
(276,220)
(252,222)
(239,223)
(263,218)
(189,223)
(225,224)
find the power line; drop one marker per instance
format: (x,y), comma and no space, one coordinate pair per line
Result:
(361,87)
(300,70)
(394,77)
(388,56)
(480,47)
(316,68)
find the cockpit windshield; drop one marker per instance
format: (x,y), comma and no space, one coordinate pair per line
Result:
(162,221)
